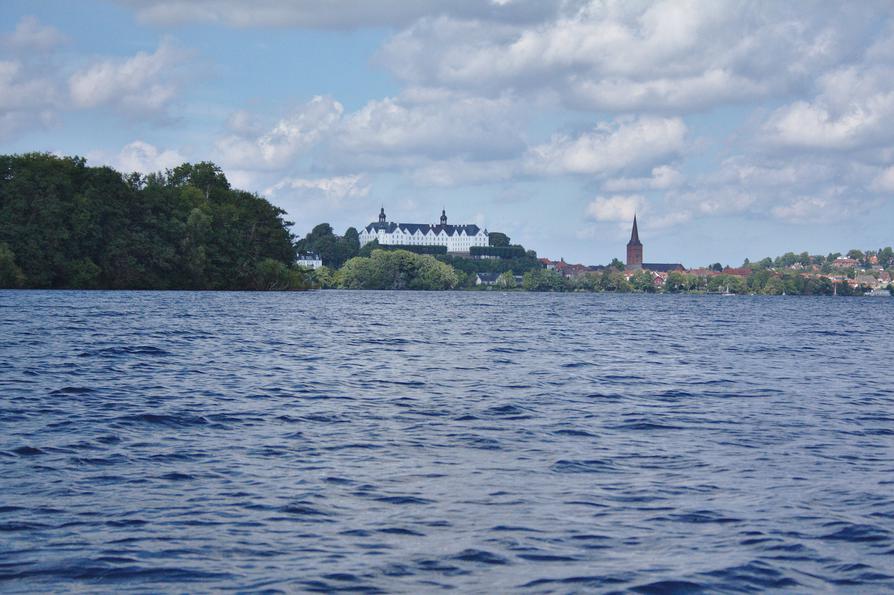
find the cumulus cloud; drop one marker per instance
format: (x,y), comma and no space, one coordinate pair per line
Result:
(144,84)
(884,182)
(625,56)
(30,34)
(334,188)
(143,157)
(661,178)
(26,99)
(286,141)
(474,128)
(616,208)
(139,156)
(412,132)
(611,147)
(853,109)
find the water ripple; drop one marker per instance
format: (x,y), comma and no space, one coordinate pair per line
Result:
(415,442)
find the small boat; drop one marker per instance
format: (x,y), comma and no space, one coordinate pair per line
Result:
(879,293)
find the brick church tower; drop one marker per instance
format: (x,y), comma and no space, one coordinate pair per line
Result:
(634,249)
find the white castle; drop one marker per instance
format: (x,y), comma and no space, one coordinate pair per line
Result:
(457,238)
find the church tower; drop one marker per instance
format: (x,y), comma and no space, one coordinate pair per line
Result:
(634,249)
(443,216)
(382,218)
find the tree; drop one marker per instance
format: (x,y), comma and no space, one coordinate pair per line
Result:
(677,282)
(717,267)
(70,225)
(642,281)
(856,255)
(323,277)
(774,286)
(334,250)
(497,239)
(543,280)
(396,269)
(11,276)
(613,280)
(616,264)
(506,280)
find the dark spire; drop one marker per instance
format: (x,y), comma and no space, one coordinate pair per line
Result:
(443,216)
(382,217)
(634,235)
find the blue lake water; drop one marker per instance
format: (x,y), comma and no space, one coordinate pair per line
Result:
(413,442)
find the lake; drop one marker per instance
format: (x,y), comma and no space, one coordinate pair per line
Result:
(415,442)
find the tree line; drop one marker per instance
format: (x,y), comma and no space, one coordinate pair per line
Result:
(66,225)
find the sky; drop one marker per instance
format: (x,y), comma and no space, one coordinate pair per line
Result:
(732,129)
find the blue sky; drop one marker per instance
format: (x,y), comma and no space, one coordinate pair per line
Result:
(733,129)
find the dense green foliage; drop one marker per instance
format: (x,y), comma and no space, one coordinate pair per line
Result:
(66,225)
(498,239)
(470,266)
(498,251)
(885,257)
(334,250)
(396,269)
(432,250)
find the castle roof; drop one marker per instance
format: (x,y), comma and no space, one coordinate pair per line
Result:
(424,228)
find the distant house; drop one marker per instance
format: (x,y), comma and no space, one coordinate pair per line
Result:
(492,279)
(309,260)
(486,279)
(867,281)
(844,263)
(738,272)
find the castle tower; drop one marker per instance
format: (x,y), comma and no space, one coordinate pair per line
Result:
(443,216)
(634,249)
(382,218)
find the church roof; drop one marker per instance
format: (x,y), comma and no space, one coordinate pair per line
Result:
(663,267)
(634,235)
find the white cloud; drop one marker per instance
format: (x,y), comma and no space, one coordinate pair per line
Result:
(334,189)
(662,178)
(144,84)
(145,158)
(623,56)
(288,140)
(474,128)
(30,34)
(140,156)
(616,208)
(884,182)
(620,146)
(458,172)
(19,91)
(804,209)
(26,100)
(853,108)
(436,137)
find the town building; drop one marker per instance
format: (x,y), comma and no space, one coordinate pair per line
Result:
(634,249)
(309,260)
(457,238)
(635,256)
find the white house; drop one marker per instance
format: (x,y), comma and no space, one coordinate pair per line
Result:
(309,260)
(457,238)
